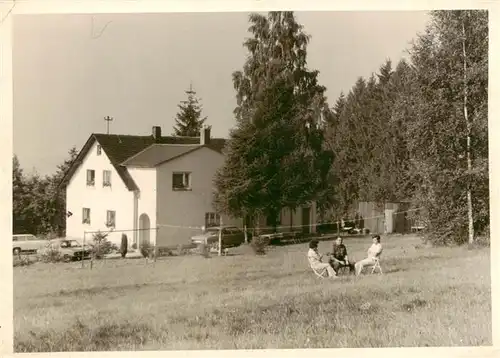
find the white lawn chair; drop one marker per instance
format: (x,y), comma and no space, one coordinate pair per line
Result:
(322,273)
(377,266)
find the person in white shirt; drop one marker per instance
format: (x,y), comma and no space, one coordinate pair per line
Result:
(374,253)
(315,260)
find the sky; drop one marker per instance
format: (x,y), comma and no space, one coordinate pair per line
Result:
(70,71)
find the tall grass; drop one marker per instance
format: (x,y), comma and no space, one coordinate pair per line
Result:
(427,297)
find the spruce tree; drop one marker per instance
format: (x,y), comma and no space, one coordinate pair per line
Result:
(188,122)
(275,157)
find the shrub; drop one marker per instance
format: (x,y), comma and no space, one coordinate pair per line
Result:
(146,249)
(101,246)
(164,251)
(51,254)
(181,250)
(124,246)
(134,246)
(480,242)
(155,251)
(22,261)
(259,245)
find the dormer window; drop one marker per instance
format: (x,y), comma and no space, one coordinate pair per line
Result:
(99,149)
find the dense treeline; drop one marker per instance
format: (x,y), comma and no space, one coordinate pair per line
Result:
(415,132)
(39,206)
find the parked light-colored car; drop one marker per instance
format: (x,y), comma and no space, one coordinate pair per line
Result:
(231,237)
(69,249)
(27,243)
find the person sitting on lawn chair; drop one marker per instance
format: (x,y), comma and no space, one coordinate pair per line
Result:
(338,256)
(374,253)
(315,260)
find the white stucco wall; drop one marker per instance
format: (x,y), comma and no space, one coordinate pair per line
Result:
(179,210)
(98,198)
(145,178)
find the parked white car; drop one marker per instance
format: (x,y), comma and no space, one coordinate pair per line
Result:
(26,243)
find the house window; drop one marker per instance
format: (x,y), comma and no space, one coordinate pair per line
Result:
(86,216)
(181,181)
(106,178)
(110,218)
(212,219)
(99,149)
(90,177)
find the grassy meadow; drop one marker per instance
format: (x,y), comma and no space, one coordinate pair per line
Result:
(426,297)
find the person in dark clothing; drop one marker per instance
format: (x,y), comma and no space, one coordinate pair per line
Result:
(338,256)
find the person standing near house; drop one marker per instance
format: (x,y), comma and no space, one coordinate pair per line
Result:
(315,260)
(374,253)
(338,256)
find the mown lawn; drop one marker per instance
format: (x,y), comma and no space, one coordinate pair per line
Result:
(426,297)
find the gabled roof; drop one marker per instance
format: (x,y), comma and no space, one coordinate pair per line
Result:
(157,154)
(119,148)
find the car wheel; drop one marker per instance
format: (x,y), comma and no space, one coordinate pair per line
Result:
(17,251)
(66,258)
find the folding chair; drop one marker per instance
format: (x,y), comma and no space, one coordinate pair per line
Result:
(320,273)
(377,266)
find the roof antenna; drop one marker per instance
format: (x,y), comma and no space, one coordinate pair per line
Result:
(108,119)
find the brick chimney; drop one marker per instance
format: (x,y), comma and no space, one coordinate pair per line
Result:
(156,133)
(205,135)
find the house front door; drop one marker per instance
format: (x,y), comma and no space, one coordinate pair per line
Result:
(144,229)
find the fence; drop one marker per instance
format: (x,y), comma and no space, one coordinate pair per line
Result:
(164,239)
(171,235)
(100,247)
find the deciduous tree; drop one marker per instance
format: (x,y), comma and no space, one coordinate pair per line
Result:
(448,138)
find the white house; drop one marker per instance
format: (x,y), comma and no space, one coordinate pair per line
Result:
(154,189)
